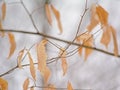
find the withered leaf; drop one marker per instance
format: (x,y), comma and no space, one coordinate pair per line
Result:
(114,40)
(94,19)
(3,84)
(102,14)
(69,86)
(3,10)
(32,68)
(41,54)
(20,55)
(26,83)
(87,40)
(50,87)
(48,13)
(106,37)
(63,60)
(2,33)
(57,15)
(42,57)
(12,44)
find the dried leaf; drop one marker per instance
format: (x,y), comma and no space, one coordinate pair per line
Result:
(106,37)
(32,88)
(69,86)
(12,44)
(57,15)
(80,50)
(102,14)
(63,60)
(87,40)
(26,83)
(42,57)
(46,74)
(3,84)
(32,68)
(2,33)
(20,55)
(48,13)
(114,40)
(3,10)
(94,19)
(50,87)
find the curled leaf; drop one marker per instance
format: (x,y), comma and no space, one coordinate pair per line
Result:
(87,40)
(106,37)
(3,10)
(69,86)
(94,19)
(2,33)
(20,55)
(102,14)
(50,87)
(48,13)
(114,40)
(63,60)
(32,68)
(26,83)
(42,57)
(12,44)
(57,16)
(3,84)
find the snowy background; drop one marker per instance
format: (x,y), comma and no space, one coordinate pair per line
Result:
(99,72)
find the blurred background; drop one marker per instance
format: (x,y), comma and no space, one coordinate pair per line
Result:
(99,72)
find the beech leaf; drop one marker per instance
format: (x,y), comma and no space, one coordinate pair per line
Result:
(3,84)
(32,68)
(63,60)
(42,57)
(26,83)
(57,16)
(87,40)
(114,40)
(3,10)
(20,55)
(69,86)
(50,87)
(94,19)
(2,33)
(48,13)
(106,37)
(12,44)
(102,14)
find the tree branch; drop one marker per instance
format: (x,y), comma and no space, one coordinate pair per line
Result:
(58,39)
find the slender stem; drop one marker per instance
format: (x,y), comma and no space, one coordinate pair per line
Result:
(61,40)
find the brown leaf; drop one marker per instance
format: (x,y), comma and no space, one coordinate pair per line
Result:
(32,68)
(57,15)
(50,87)
(87,40)
(69,86)
(42,57)
(20,55)
(94,19)
(12,44)
(3,10)
(3,84)
(26,83)
(102,14)
(46,74)
(48,13)
(2,33)
(63,60)
(106,37)
(32,88)
(114,40)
